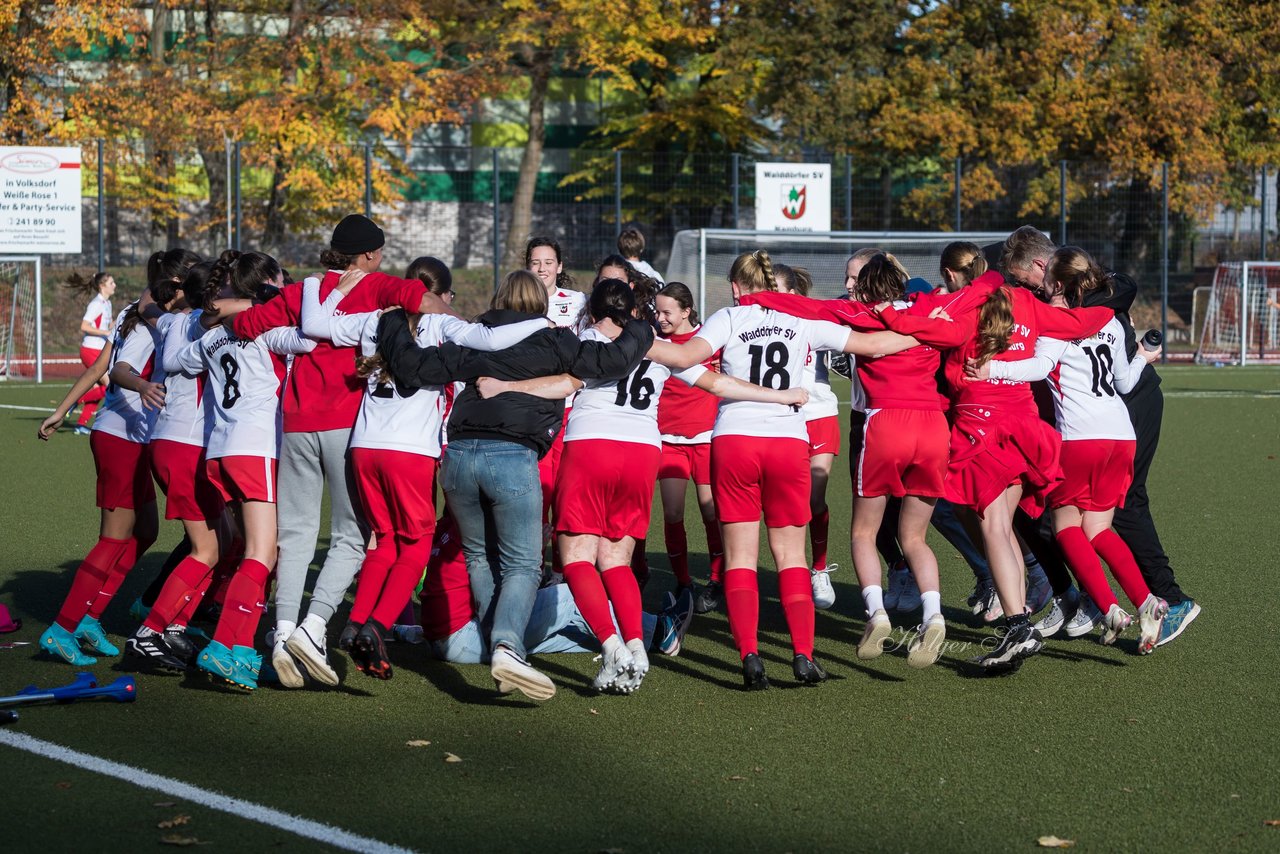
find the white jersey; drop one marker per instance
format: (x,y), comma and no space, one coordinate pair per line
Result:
(1088,376)
(823,402)
(244,380)
(122,413)
(769,349)
(99,314)
(183,417)
(392,418)
(857,394)
(624,410)
(564,308)
(647,269)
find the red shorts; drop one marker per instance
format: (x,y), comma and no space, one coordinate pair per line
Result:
(686,462)
(606,488)
(549,468)
(1096,473)
(243,478)
(991,451)
(397,490)
(124,472)
(904,452)
(750,474)
(824,435)
(88,356)
(180,470)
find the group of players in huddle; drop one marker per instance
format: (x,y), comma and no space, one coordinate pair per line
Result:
(558,412)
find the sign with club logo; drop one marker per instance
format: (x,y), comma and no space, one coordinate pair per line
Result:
(793,196)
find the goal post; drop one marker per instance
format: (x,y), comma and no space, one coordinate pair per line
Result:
(1241,324)
(701,258)
(21,325)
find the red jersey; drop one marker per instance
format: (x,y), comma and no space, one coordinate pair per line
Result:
(323,391)
(684,411)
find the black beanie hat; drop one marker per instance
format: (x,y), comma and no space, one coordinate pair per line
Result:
(356,234)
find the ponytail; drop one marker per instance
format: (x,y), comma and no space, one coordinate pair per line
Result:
(612,299)
(219,278)
(995,325)
(89,286)
(753,271)
(965,261)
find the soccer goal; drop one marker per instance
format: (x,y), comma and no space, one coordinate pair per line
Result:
(21,350)
(1242,323)
(701,258)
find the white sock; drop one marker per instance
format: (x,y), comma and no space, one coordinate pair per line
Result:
(873,598)
(144,632)
(932,600)
(283,630)
(174,627)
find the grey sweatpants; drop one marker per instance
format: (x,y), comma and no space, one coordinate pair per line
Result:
(307,462)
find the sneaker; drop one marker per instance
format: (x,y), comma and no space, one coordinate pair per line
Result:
(137,611)
(372,659)
(824,595)
(1114,625)
(909,596)
(92,635)
(407,634)
(673,622)
(874,634)
(347,638)
(1039,590)
(753,678)
(898,575)
(152,652)
(1151,616)
(1059,609)
(247,664)
(513,672)
(310,651)
(1016,643)
(288,672)
(708,598)
(992,608)
(81,430)
(615,664)
(926,647)
(217,660)
(1086,618)
(1179,617)
(977,600)
(639,668)
(62,643)
(807,671)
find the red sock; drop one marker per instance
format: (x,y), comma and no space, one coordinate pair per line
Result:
(678,551)
(406,572)
(88,580)
(126,561)
(715,550)
(1113,550)
(589,595)
(193,601)
(244,606)
(818,526)
(624,593)
(742,597)
(796,592)
(89,404)
(373,577)
(176,595)
(1084,562)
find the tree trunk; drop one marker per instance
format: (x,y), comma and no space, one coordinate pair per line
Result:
(518,232)
(215,169)
(274,227)
(160,162)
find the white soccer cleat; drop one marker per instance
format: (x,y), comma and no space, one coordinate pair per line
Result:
(1114,624)
(639,668)
(615,664)
(874,635)
(824,594)
(1151,618)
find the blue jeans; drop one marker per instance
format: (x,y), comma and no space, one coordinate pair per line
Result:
(493,489)
(944,519)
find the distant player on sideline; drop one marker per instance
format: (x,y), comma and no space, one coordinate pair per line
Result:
(631,245)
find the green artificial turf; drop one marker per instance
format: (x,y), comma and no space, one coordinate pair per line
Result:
(1175,751)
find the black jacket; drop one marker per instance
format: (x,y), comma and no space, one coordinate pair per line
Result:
(1123,292)
(521,418)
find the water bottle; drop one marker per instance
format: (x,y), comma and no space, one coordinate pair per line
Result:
(1152,339)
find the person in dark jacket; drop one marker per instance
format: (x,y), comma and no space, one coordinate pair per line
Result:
(490,471)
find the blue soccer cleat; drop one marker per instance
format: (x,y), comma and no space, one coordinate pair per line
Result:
(247,666)
(95,637)
(217,660)
(62,643)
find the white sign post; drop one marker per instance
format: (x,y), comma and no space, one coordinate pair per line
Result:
(39,200)
(793,196)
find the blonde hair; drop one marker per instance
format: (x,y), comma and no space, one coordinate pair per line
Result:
(521,291)
(995,324)
(965,261)
(1025,246)
(881,279)
(753,271)
(1075,271)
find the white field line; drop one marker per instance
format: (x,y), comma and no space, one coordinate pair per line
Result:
(247,810)
(26,408)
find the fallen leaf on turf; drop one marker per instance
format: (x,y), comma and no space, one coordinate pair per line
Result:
(417,742)
(63,785)
(176,821)
(736,777)
(1131,720)
(1271,822)
(452,757)
(593,711)
(1055,842)
(181,841)
(757,769)
(1126,789)
(163,804)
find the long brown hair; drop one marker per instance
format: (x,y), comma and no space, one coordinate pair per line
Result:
(995,324)
(965,261)
(881,279)
(1075,271)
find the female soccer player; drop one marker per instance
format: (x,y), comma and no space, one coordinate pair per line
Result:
(1098,445)
(760,455)
(96,328)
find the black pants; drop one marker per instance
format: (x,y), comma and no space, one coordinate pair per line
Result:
(1133,522)
(1038,535)
(887,536)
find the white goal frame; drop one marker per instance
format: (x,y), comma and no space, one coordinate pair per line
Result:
(1244,315)
(39,310)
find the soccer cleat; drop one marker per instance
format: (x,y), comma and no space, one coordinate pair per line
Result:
(926,647)
(217,660)
(511,672)
(181,645)
(874,634)
(91,633)
(1039,590)
(615,664)
(153,652)
(373,651)
(1086,618)
(1114,624)
(287,672)
(1016,643)
(1151,616)
(673,623)
(1176,621)
(62,643)
(630,683)
(348,637)
(807,671)
(311,653)
(1052,622)
(138,612)
(753,678)
(824,594)
(709,598)
(977,600)
(247,665)
(992,609)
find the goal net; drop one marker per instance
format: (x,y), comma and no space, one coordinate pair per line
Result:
(700,258)
(1241,324)
(20,325)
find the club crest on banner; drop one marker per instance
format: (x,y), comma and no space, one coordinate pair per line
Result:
(794,198)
